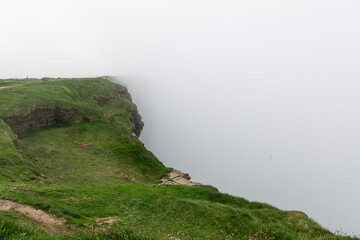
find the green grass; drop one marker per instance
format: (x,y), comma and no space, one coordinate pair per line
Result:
(103,154)
(91,167)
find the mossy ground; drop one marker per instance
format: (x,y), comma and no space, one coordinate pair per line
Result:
(92,168)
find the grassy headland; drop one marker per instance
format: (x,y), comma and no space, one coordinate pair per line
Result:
(66,147)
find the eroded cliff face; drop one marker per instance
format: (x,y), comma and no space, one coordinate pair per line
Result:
(135,115)
(48,116)
(138,123)
(136,118)
(40,117)
(121,93)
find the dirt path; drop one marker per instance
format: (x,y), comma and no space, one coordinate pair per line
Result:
(178,178)
(12,86)
(37,215)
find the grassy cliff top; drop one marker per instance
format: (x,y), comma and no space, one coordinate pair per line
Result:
(67,148)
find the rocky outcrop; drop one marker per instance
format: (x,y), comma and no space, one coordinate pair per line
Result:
(48,116)
(135,115)
(176,177)
(38,118)
(121,93)
(138,123)
(136,118)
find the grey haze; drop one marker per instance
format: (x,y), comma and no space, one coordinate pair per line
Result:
(258,98)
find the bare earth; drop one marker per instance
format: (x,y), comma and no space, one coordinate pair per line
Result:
(106,223)
(11,86)
(177,178)
(37,215)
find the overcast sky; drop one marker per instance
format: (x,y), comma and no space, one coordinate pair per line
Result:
(258,98)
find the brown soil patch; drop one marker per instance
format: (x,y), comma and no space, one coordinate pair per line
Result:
(102,224)
(127,177)
(107,222)
(37,215)
(11,86)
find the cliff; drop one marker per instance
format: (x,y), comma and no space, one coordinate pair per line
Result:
(72,168)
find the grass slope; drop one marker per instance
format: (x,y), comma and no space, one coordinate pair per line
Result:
(90,167)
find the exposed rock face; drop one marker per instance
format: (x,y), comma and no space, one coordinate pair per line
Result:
(135,116)
(48,116)
(121,93)
(138,123)
(38,118)
(178,178)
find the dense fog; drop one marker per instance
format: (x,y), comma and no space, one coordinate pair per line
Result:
(257,98)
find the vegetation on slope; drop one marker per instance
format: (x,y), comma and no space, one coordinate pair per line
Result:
(73,156)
